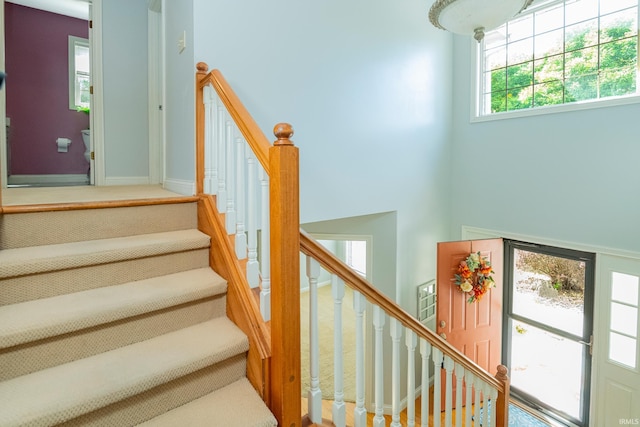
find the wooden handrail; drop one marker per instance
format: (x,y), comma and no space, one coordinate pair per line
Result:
(250,130)
(309,246)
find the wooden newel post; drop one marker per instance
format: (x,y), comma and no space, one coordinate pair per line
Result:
(285,278)
(502,404)
(201,72)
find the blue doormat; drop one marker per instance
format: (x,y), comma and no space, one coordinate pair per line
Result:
(519,417)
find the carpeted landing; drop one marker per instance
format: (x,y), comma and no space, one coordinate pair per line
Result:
(113,317)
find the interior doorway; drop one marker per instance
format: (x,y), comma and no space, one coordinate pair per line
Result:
(46,114)
(548,328)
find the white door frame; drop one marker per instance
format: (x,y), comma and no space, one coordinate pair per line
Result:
(97,100)
(156,92)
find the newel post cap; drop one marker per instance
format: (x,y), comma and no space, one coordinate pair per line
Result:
(202,68)
(283,131)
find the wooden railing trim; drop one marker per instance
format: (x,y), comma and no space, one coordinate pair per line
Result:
(250,130)
(309,246)
(57,207)
(242,308)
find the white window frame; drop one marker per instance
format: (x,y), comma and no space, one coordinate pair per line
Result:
(73,43)
(478,115)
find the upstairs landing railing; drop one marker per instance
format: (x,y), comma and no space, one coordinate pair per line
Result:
(250,204)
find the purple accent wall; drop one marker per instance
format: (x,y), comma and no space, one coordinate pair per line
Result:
(38,94)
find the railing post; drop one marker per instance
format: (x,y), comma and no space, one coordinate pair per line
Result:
(502,403)
(285,278)
(200,74)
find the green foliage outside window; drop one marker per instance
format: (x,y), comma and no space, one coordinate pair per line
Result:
(595,64)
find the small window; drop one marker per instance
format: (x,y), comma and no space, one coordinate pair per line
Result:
(427,301)
(79,73)
(560,52)
(623,326)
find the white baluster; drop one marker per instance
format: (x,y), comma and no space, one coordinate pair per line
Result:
(396,334)
(493,395)
(241,236)
(448,402)
(253,267)
(339,409)
(468,380)
(209,147)
(411,341)
(378,324)
(425,352)
(221,160)
(265,254)
(359,412)
(230,214)
(459,371)
(437,388)
(477,402)
(486,404)
(314,394)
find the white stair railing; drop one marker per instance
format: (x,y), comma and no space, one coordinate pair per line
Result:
(241,187)
(463,391)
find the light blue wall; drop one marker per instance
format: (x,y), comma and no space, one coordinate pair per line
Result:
(126,124)
(180,94)
(572,176)
(366,85)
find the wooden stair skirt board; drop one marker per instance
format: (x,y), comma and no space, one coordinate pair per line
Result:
(113,317)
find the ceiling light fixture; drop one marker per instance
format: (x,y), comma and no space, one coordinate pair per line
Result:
(474,17)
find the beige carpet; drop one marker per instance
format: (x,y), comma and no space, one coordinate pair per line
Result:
(325,317)
(85,193)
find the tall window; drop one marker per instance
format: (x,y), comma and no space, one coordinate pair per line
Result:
(560,52)
(79,73)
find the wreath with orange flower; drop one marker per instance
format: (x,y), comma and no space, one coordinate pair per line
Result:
(474,276)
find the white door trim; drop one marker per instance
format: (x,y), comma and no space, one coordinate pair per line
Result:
(97,101)
(155,90)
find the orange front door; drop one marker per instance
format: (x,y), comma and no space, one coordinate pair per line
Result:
(473,328)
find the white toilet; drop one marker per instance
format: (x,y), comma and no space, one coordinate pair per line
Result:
(86,138)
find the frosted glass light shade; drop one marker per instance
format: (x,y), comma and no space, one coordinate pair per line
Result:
(474,17)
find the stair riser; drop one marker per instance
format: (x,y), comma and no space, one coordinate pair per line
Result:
(37,286)
(45,228)
(54,351)
(144,406)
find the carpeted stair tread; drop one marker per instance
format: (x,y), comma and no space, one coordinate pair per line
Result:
(38,319)
(67,391)
(39,259)
(236,405)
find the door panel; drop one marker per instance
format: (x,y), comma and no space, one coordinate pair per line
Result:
(475,329)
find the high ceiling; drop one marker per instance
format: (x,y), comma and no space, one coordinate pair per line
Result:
(75,8)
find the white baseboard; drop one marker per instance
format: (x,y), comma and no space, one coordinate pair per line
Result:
(49,179)
(186,188)
(126,180)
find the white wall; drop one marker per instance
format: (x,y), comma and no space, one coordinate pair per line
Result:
(126,128)
(180,96)
(570,176)
(366,85)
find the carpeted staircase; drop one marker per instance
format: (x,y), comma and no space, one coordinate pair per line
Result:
(112,317)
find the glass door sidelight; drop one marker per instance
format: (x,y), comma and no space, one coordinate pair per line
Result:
(548,328)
